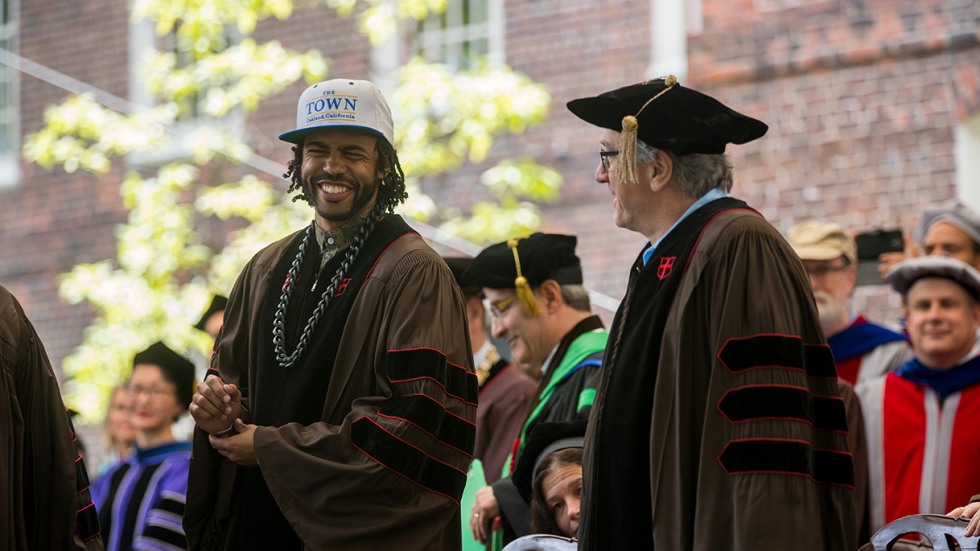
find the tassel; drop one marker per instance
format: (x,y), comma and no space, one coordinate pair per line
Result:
(626,168)
(523,288)
(627,150)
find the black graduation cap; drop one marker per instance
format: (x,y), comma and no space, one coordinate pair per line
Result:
(176,368)
(218,304)
(525,263)
(666,115)
(544,439)
(458,266)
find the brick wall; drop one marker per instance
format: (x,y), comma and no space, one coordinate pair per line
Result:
(861,97)
(53,220)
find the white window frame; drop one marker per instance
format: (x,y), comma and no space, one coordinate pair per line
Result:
(967,156)
(671,21)
(143,40)
(10,111)
(455,34)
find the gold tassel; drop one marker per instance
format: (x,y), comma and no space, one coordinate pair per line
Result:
(626,168)
(627,150)
(523,288)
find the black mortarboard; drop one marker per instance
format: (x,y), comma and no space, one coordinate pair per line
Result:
(525,263)
(458,265)
(666,115)
(218,304)
(175,368)
(544,439)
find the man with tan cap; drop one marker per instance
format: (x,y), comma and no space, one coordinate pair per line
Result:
(718,422)
(862,349)
(339,409)
(922,433)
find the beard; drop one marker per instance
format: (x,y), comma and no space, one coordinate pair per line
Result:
(364,195)
(830,311)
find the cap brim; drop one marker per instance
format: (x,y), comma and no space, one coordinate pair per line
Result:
(296,136)
(817,253)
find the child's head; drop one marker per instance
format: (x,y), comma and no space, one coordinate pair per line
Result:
(557,493)
(548,475)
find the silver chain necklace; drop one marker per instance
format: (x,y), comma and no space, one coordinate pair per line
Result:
(279,323)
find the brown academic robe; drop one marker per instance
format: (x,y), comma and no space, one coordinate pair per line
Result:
(365,477)
(731,417)
(505,399)
(44,497)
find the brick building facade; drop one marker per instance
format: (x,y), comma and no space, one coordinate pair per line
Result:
(872,107)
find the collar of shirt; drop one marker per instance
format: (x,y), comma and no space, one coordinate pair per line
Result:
(481,354)
(546,366)
(333,241)
(712,195)
(547,361)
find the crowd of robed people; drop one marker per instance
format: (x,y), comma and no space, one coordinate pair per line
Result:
(354,401)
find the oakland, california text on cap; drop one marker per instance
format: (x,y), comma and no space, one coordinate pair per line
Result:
(342,104)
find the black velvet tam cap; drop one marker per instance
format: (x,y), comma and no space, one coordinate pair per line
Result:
(669,116)
(218,304)
(176,369)
(545,439)
(539,257)
(458,266)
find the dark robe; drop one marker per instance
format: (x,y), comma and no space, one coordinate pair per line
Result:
(505,398)
(719,422)
(44,496)
(365,441)
(565,393)
(141,500)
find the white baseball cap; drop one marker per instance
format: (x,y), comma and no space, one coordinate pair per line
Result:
(342,103)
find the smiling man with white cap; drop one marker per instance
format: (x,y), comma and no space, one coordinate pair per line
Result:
(339,409)
(923,439)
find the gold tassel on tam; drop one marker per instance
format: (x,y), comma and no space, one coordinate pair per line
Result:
(627,150)
(524,293)
(627,143)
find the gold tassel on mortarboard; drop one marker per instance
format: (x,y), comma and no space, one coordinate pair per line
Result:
(524,293)
(627,143)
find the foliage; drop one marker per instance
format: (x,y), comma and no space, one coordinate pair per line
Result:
(177,179)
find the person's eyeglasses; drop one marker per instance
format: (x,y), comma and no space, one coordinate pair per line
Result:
(151,391)
(824,271)
(498,308)
(604,158)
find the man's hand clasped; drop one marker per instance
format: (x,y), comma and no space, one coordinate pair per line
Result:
(216,408)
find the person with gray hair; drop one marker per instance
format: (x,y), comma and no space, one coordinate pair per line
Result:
(716,364)
(921,429)
(862,349)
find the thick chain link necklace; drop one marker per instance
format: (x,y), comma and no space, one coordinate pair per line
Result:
(279,323)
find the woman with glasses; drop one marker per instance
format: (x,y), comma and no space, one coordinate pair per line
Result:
(141,499)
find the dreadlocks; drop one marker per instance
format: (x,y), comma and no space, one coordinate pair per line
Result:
(391,192)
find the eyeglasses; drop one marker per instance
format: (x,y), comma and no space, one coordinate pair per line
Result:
(151,391)
(604,158)
(498,308)
(824,271)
